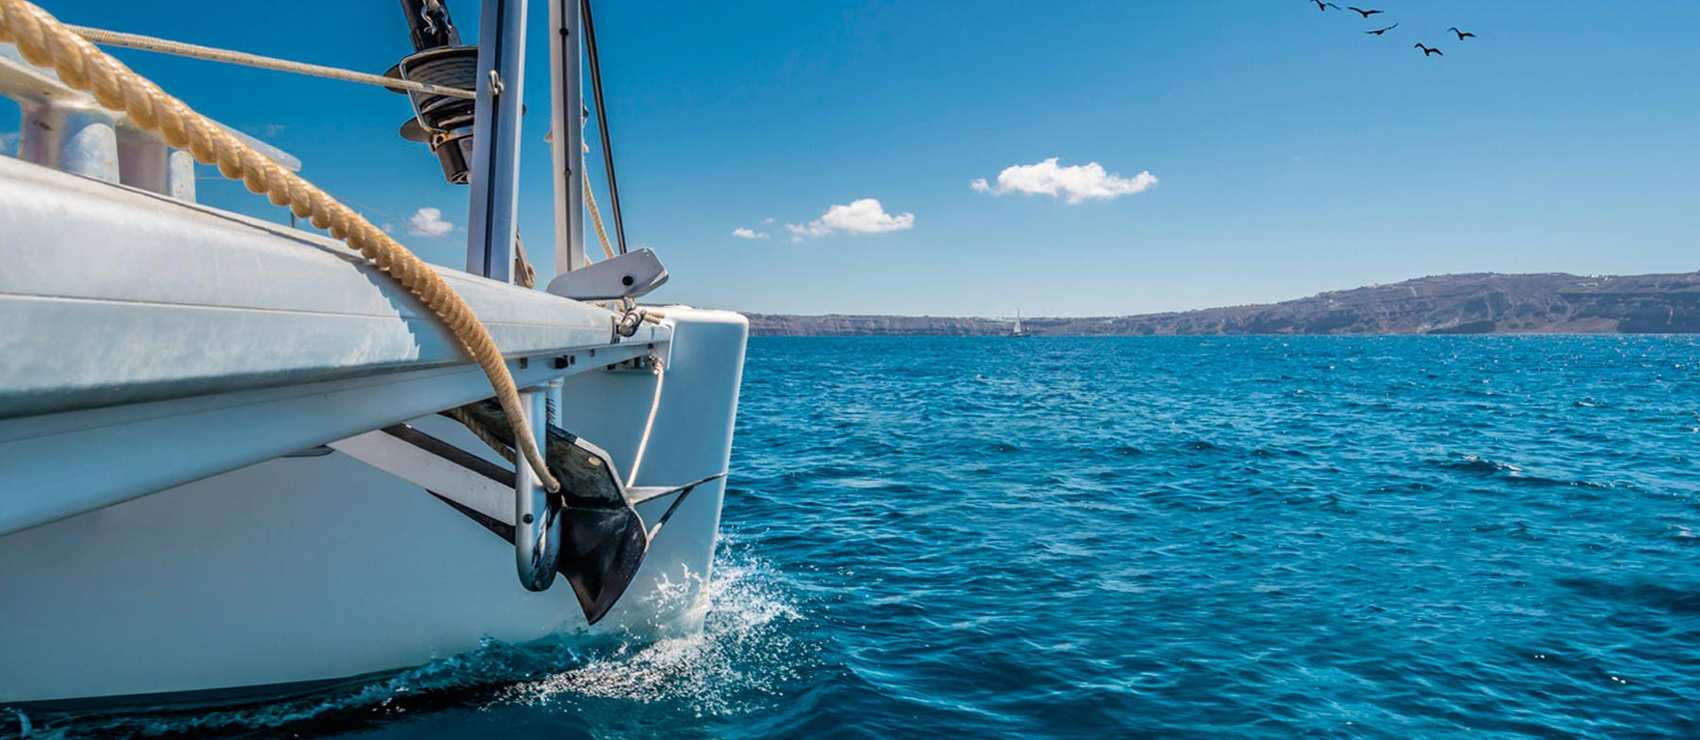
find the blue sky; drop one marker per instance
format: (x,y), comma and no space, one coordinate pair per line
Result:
(1291,153)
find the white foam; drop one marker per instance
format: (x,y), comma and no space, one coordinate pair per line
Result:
(741,649)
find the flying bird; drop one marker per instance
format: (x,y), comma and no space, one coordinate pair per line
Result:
(1379,31)
(1324,6)
(1361,11)
(1461,34)
(1427,51)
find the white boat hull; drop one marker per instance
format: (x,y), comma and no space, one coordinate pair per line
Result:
(308,569)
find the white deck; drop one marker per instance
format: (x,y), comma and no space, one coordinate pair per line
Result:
(132,323)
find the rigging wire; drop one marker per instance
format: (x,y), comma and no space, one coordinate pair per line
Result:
(602,123)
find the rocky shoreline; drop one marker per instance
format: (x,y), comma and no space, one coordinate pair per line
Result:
(1475,303)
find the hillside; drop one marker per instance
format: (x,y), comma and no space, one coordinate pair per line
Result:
(1476,303)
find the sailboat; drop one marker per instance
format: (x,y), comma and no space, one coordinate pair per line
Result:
(239,458)
(1017,330)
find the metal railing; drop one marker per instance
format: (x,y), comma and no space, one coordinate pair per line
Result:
(64,128)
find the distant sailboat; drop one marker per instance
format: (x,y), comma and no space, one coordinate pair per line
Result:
(1017,331)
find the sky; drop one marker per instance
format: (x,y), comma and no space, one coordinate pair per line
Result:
(1068,158)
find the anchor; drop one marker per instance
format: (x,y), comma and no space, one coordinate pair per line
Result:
(592,527)
(590,533)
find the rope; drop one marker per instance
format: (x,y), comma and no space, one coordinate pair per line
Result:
(648,424)
(595,215)
(482,432)
(44,41)
(194,51)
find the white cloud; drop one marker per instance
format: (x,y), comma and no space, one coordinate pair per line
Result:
(1074,183)
(428,222)
(743,233)
(863,216)
(8,140)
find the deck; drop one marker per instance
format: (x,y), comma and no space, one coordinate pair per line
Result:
(146,342)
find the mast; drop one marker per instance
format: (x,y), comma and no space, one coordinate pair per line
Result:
(566,133)
(496,128)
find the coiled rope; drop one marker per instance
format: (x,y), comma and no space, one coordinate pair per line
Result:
(44,41)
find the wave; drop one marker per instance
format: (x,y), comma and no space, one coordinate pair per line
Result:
(744,648)
(1512,473)
(1682,601)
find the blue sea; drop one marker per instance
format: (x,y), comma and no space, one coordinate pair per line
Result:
(1171,535)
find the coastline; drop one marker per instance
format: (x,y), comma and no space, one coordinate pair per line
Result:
(1475,303)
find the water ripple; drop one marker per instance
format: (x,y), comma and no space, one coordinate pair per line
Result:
(1244,536)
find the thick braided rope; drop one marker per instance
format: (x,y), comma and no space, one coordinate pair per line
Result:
(482,432)
(44,41)
(595,215)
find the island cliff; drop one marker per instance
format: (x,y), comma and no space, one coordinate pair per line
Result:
(1476,303)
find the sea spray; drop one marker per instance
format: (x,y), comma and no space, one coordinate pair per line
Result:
(742,652)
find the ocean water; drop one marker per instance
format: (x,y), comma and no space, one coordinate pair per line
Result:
(1072,537)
